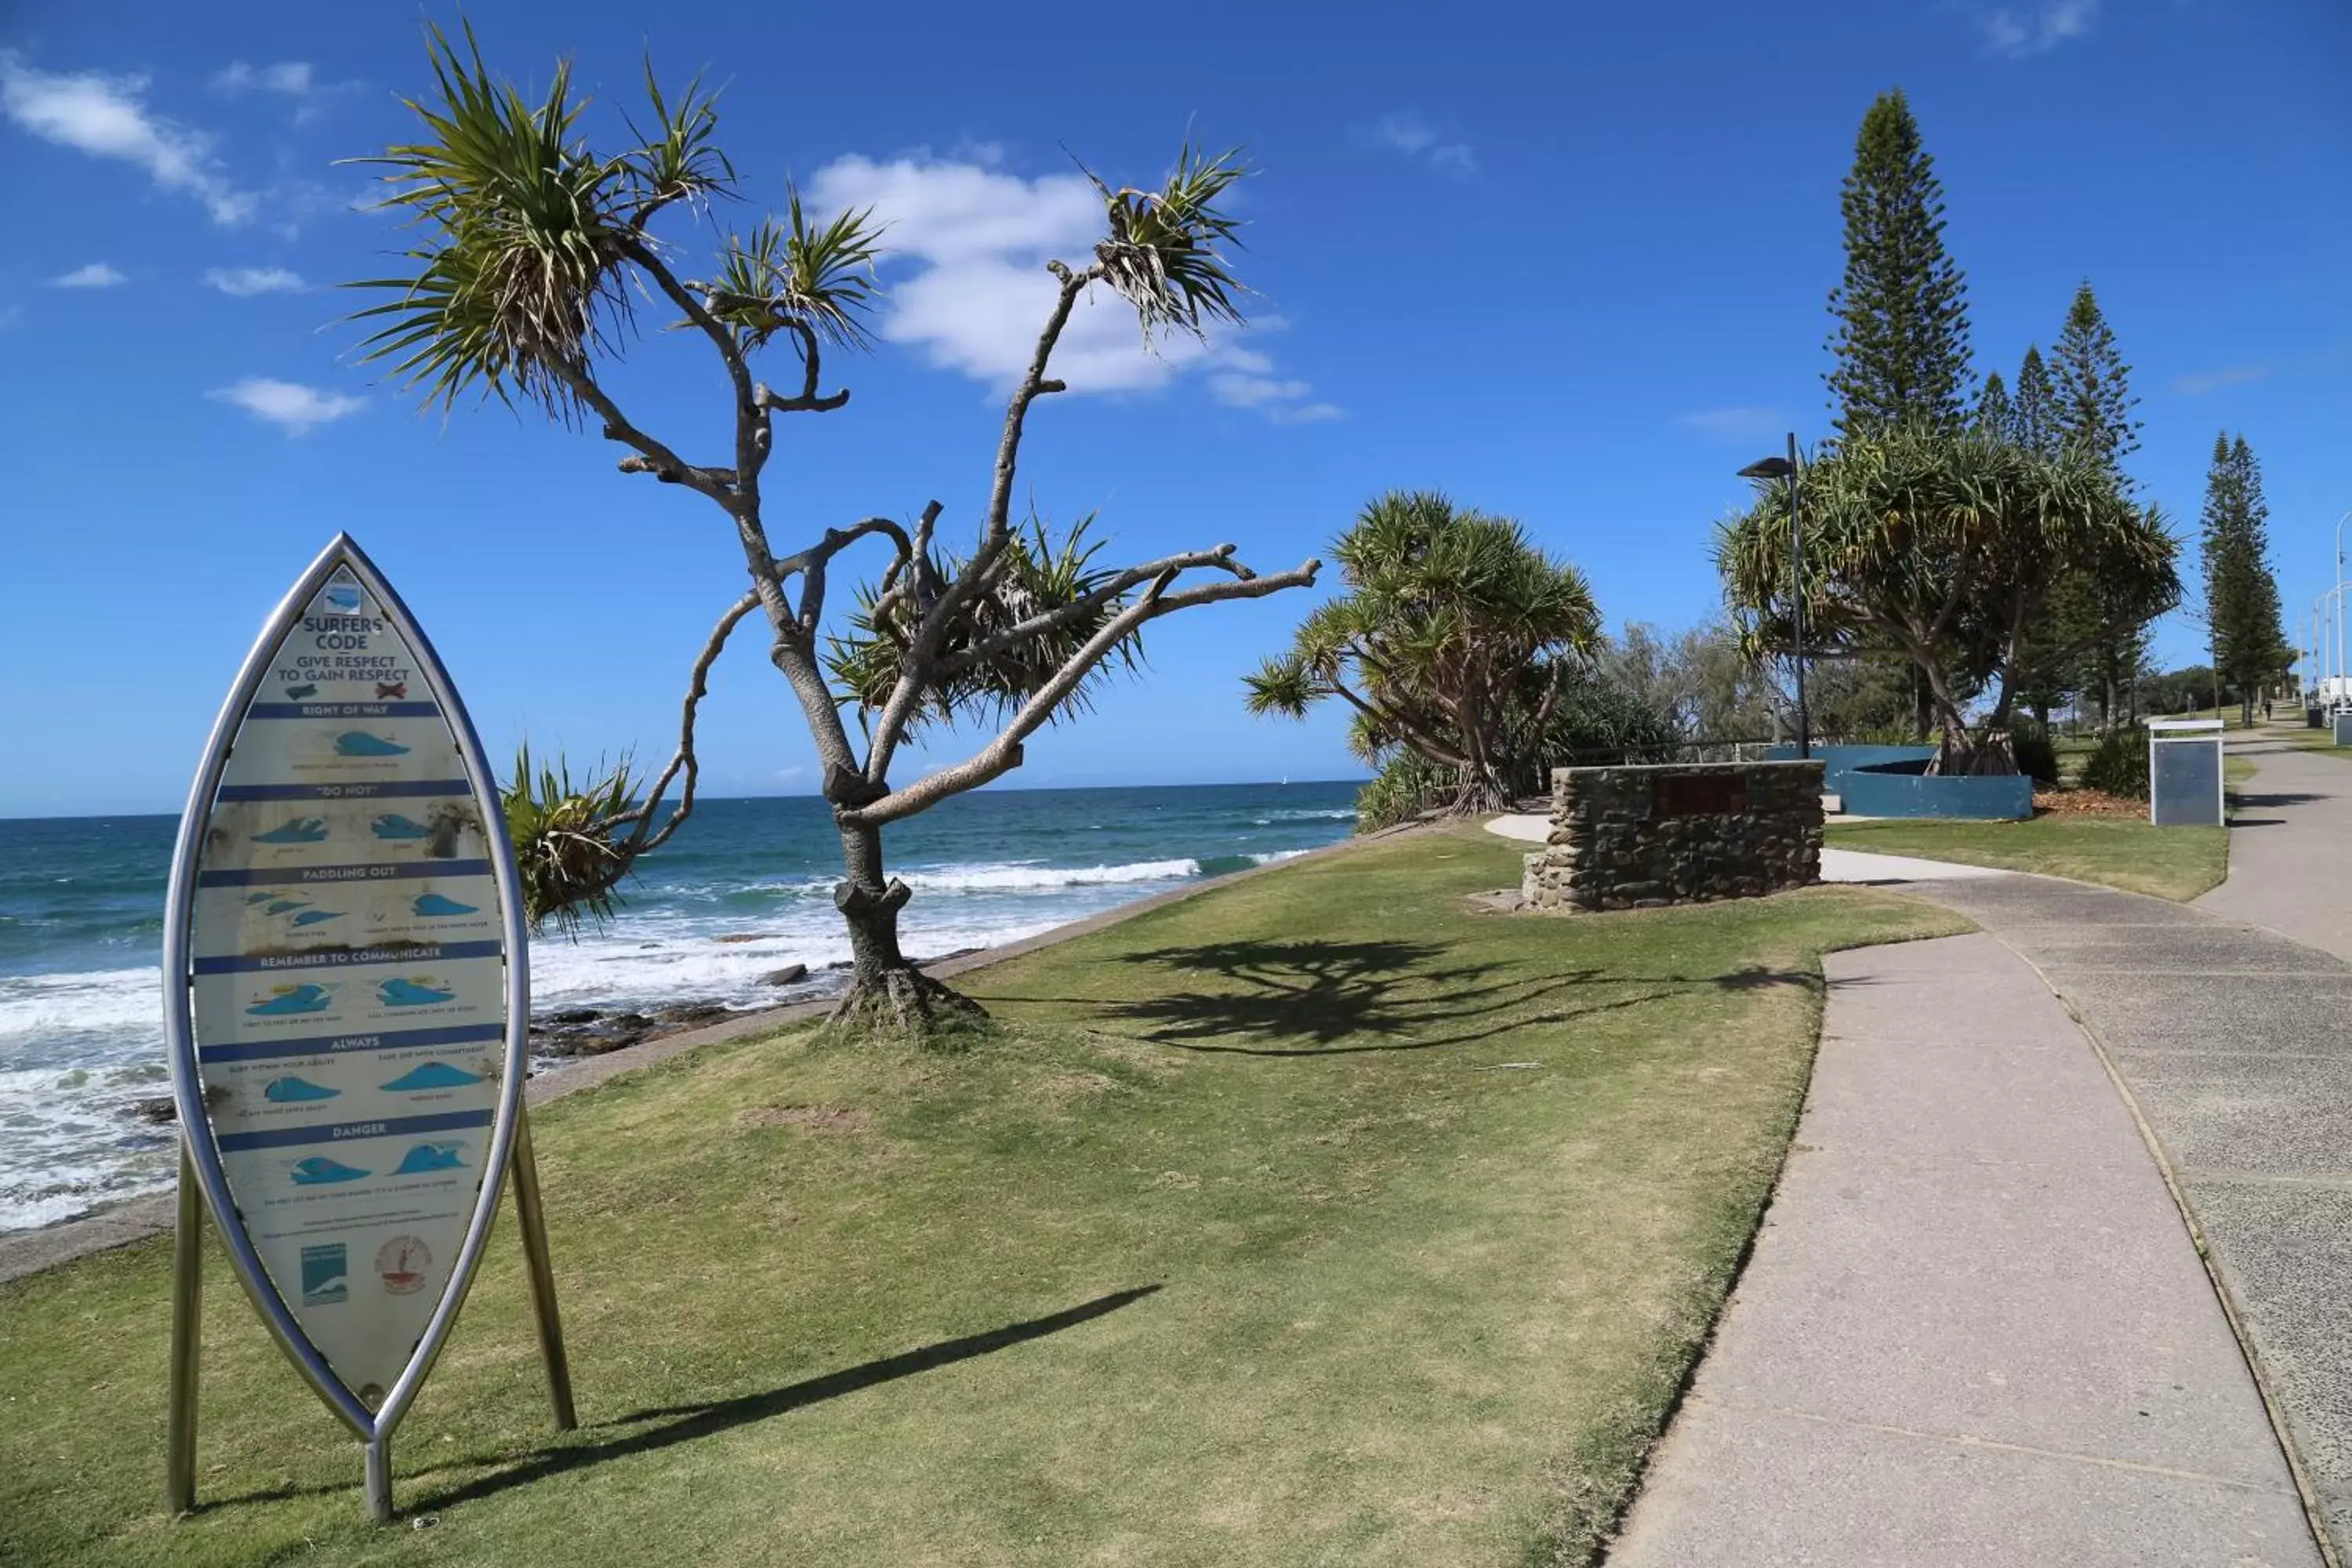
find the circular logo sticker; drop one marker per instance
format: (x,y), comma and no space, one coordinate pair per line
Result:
(400,1264)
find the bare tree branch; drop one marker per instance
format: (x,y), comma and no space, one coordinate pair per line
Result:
(1003,754)
(654,457)
(811,563)
(1078,609)
(683,760)
(995,528)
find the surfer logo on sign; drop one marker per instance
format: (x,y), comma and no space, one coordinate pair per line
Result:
(401,1265)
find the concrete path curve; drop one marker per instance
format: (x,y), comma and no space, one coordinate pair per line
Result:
(2225,1023)
(1974,1331)
(2291,844)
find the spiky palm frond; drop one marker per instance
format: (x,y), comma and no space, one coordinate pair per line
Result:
(1162,252)
(525,233)
(1453,622)
(1939,548)
(797,269)
(569,840)
(1034,574)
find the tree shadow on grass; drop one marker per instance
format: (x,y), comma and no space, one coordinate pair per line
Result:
(1336,998)
(686,1423)
(1319,998)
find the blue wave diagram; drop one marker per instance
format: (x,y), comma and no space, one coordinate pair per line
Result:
(431,1075)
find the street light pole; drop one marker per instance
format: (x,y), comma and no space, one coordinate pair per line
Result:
(1785,468)
(1797,601)
(2339,601)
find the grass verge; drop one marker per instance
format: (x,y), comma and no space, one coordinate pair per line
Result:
(1316,1219)
(2170,862)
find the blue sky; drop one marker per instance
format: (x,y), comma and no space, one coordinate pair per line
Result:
(1568,263)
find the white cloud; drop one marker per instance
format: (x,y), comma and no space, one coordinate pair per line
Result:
(2198,382)
(105,117)
(977,239)
(96,275)
(1734,424)
(295,408)
(2036,29)
(292,78)
(1407,132)
(244,280)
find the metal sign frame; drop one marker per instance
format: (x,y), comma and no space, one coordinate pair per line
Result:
(2164,732)
(204,1183)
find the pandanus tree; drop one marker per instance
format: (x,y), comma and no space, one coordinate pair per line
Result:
(1944,549)
(536,249)
(1453,642)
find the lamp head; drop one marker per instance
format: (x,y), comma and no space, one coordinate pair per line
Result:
(1768,469)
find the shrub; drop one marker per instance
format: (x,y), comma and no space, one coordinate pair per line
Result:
(1409,785)
(2118,764)
(2029,741)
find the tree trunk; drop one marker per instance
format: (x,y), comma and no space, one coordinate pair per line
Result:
(886,994)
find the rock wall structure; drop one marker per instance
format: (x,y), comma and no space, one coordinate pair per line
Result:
(1639,837)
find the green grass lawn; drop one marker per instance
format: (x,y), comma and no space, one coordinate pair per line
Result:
(2170,862)
(1316,1219)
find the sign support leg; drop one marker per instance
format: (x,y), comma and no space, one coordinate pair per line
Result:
(379,1477)
(542,1269)
(187,1302)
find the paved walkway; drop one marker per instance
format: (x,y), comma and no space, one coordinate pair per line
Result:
(2291,846)
(2225,1022)
(1974,1331)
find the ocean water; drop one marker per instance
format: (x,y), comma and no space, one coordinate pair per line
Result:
(81,923)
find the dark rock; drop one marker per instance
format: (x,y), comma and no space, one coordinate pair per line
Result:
(573,1015)
(790,975)
(158,1107)
(591,1040)
(743,936)
(692,1012)
(626,1021)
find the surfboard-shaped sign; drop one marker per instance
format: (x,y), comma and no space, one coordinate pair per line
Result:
(346,989)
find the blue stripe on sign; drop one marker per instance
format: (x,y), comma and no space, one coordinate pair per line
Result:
(270,875)
(343,957)
(344,1131)
(394,790)
(326,1044)
(343,711)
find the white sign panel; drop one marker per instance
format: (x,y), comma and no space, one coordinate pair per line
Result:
(347,987)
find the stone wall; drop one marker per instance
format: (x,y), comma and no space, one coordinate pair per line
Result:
(1636,837)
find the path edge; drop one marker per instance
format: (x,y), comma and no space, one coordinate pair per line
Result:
(1671,1411)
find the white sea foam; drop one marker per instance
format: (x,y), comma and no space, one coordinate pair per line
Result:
(98,1000)
(78,1049)
(1022,876)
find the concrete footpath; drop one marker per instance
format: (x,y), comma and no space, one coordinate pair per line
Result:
(2291,844)
(2232,1038)
(1974,1331)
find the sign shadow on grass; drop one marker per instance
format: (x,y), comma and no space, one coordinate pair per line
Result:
(686,1423)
